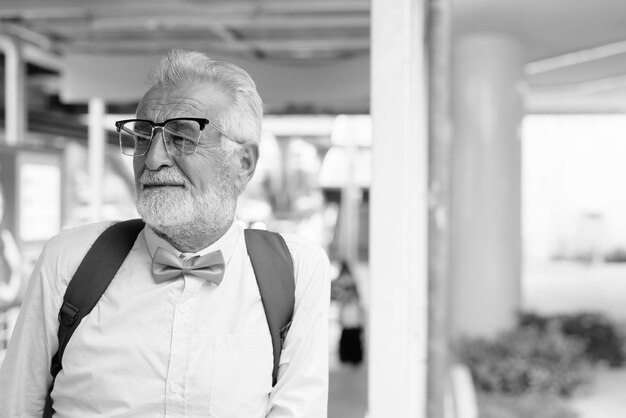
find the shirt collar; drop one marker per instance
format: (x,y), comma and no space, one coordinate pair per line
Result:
(226,243)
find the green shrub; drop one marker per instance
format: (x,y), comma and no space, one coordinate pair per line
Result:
(601,340)
(617,255)
(526,360)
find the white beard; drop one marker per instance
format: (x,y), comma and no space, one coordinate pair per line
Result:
(175,213)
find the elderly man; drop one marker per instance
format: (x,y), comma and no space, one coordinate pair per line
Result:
(183,346)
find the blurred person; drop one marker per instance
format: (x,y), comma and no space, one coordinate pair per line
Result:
(184,347)
(10,264)
(350,318)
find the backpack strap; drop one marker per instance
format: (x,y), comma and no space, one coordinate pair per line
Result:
(271,262)
(93,276)
(273,269)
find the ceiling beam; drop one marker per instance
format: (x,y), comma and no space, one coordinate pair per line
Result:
(43,58)
(599,85)
(198,21)
(41,9)
(33,53)
(576,58)
(230,40)
(267,45)
(27,35)
(63,9)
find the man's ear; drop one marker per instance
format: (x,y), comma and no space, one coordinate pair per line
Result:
(247,165)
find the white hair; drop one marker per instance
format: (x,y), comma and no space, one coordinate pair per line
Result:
(242,121)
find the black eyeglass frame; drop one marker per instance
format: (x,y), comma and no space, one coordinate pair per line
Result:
(203,122)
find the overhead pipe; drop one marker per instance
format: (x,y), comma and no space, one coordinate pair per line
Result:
(15,91)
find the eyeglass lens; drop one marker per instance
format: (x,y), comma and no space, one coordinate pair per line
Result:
(180,137)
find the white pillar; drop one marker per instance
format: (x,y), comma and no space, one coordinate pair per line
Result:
(486,185)
(14,101)
(398,236)
(96,144)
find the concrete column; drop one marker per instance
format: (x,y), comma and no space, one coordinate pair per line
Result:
(486,185)
(15,112)
(96,144)
(398,289)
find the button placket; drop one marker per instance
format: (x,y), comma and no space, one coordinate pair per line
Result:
(180,345)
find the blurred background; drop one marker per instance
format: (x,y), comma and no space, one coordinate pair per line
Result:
(461,162)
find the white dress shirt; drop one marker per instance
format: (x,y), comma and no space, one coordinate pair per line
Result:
(182,348)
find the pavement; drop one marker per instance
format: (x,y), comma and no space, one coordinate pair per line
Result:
(605,398)
(347,392)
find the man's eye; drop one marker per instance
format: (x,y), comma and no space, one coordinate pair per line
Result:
(181,142)
(179,138)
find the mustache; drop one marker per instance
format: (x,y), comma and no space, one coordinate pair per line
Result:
(148,178)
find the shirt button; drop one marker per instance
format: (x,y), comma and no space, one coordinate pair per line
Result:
(176,388)
(183,308)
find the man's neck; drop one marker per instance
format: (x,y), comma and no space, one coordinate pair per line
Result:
(190,239)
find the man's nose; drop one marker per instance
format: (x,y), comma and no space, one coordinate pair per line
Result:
(157,155)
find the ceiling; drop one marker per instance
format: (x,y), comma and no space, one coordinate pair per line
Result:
(575,49)
(295,30)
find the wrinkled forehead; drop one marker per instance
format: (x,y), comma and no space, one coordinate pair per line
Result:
(161,103)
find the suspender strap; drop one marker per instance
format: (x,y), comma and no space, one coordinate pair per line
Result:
(93,276)
(273,268)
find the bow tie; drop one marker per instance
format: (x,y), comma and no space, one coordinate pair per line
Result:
(167,266)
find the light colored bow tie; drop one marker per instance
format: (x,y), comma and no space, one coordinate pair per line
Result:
(167,266)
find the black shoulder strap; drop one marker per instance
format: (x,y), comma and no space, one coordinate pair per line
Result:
(273,268)
(93,276)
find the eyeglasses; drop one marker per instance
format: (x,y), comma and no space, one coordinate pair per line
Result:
(180,135)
